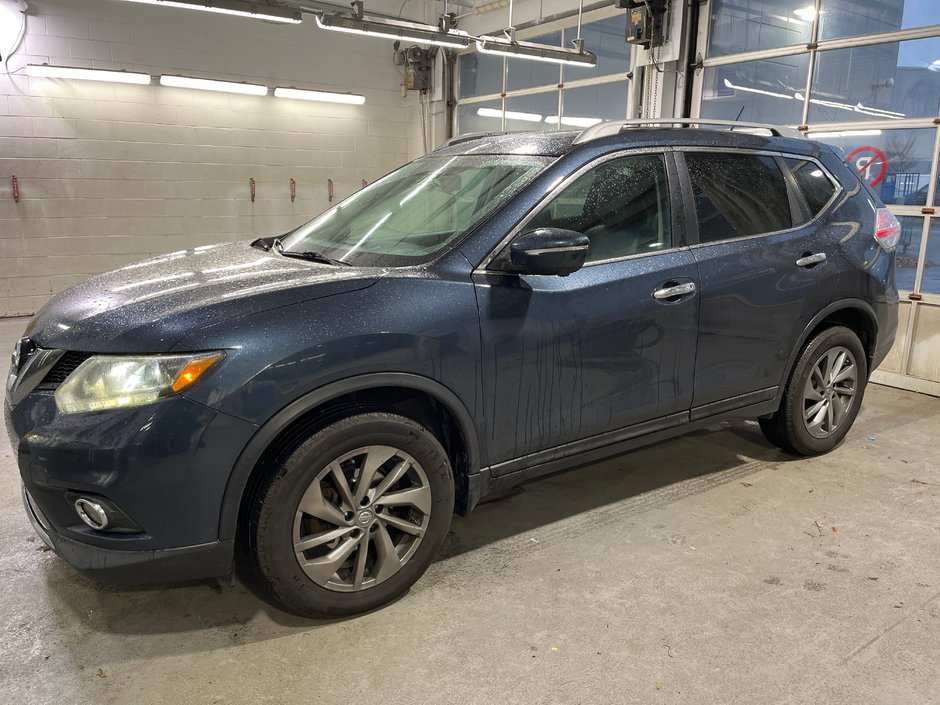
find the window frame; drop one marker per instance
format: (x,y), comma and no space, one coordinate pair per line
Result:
(677,207)
(802,204)
(794,196)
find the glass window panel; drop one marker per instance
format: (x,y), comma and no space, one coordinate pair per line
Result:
(737,195)
(908,249)
(931,281)
(895,163)
(736,26)
(849,18)
(589,105)
(813,183)
(479,74)
(876,82)
(768,90)
(607,39)
(525,73)
(621,205)
(528,112)
(480,117)
(416,211)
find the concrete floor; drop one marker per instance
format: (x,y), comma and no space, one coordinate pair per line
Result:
(709,569)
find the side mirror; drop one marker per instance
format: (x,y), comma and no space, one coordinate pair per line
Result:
(549,251)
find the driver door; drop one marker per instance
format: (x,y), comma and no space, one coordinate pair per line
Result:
(600,350)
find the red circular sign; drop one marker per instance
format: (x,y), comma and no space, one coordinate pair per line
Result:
(870,156)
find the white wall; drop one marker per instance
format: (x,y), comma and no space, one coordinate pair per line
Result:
(111,173)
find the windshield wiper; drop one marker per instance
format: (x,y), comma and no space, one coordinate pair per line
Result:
(311,256)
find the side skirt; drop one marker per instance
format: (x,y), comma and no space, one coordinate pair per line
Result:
(499,478)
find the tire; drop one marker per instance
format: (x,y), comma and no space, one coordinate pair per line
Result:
(304,514)
(815,414)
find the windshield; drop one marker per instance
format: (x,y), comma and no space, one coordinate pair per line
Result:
(412,214)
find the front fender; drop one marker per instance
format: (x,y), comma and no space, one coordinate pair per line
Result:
(252,453)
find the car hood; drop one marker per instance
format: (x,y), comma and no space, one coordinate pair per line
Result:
(150,306)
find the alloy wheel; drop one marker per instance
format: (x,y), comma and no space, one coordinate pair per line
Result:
(830,392)
(362,518)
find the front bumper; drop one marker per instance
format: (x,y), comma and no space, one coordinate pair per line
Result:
(164,465)
(134,567)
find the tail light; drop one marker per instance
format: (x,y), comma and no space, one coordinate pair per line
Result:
(887,229)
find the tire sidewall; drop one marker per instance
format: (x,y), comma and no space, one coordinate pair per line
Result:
(802,440)
(274,522)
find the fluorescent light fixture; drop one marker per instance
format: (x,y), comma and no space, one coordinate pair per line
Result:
(878,111)
(843,133)
(256,10)
(857,108)
(510,115)
(205,84)
(46,71)
(535,52)
(760,91)
(573,121)
(490,113)
(322,96)
(807,14)
(393,29)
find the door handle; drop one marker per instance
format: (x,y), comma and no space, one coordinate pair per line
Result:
(810,260)
(669,292)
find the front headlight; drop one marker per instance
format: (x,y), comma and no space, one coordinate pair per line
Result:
(120,381)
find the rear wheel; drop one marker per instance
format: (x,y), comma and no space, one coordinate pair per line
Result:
(823,395)
(353,517)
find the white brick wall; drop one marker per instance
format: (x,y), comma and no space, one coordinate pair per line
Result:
(112,173)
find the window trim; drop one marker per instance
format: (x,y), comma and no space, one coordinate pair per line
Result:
(678,225)
(685,178)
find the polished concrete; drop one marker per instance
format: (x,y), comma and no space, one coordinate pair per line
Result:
(709,569)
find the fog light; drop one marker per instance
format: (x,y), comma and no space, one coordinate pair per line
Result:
(92,513)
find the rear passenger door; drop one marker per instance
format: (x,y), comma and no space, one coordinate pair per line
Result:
(760,263)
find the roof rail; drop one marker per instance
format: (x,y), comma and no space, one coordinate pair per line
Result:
(616,127)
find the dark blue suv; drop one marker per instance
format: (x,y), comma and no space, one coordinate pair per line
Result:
(508,306)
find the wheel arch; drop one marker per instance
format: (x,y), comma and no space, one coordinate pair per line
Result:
(855,314)
(420,398)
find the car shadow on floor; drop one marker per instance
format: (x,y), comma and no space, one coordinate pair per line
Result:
(217,614)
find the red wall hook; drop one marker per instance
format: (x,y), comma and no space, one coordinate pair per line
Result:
(364,183)
(16,190)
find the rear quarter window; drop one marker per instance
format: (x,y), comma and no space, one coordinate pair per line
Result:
(814,183)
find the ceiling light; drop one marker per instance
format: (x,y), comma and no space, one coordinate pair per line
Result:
(760,91)
(573,121)
(807,14)
(46,71)
(205,84)
(323,96)
(842,133)
(510,115)
(260,11)
(536,52)
(393,29)
(490,113)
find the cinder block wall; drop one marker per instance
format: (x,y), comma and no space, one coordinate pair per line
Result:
(112,173)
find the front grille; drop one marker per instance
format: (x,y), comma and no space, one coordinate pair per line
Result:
(62,369)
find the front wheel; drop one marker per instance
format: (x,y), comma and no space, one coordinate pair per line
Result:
(352,517)
(822,396)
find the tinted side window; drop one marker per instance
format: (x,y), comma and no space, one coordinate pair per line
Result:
(815,185)
(737,195)
(622,205)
